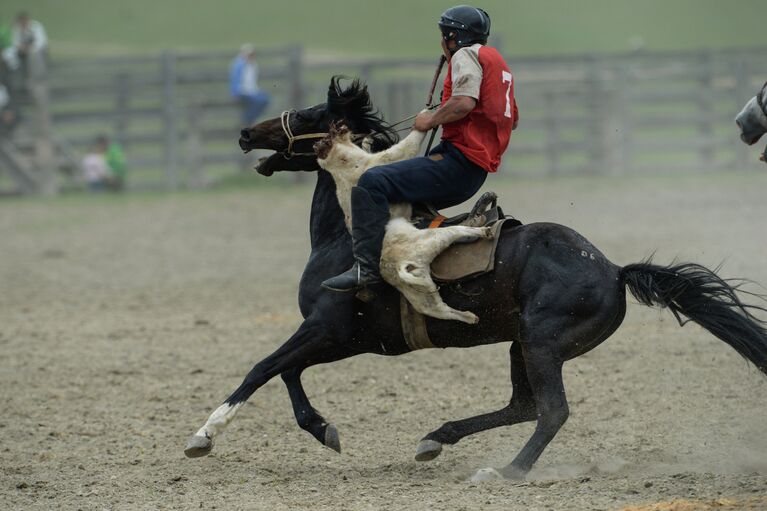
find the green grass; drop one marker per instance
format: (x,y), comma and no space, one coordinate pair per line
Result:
(393,28)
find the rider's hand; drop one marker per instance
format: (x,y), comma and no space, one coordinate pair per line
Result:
(423,121)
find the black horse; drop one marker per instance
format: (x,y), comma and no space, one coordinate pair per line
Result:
(552,294)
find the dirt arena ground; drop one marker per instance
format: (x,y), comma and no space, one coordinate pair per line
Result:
(124,321)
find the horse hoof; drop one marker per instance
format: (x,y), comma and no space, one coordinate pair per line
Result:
(514,473)
(428,450)
(331,438)
(486,474)
(198,446)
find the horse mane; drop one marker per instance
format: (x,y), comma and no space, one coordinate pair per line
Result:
(353,103)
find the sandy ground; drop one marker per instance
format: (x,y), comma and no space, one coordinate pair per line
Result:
(125,321)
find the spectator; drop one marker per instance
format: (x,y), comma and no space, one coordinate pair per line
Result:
(243,85)
(9,115)
(30,43)
(115,158)
(5,36)
(8,59)
(95,168)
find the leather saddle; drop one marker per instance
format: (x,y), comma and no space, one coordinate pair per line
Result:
(485,212)
(461,261)
(470,257)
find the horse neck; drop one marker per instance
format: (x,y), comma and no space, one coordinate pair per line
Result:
(327,219)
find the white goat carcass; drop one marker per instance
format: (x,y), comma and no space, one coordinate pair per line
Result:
(407,252)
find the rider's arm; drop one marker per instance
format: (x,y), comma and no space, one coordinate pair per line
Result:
(466,78)
(456,108)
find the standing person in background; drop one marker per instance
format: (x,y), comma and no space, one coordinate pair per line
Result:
(30,43)
(243,85)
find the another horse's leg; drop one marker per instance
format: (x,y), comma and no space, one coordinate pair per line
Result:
(310,340)
(307,417)
(520,409)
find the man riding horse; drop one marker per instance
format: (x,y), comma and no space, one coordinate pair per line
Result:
(477,114)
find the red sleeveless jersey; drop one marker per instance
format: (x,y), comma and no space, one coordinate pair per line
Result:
(483,135)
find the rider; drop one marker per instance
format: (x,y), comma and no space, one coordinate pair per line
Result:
(477,114)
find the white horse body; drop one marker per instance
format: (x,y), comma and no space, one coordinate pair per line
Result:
(407,252)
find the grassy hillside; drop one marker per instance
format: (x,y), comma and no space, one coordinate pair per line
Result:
(391,27)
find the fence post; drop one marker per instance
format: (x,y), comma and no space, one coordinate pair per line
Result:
(705,109)
(122,98)
(598,98)
(193,156)
(392,100)
(45,156)
(295,70)
(624,150)
(170,120)
(743,93)
(553,135)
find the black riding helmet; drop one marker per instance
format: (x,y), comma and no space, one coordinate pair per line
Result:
(465,25)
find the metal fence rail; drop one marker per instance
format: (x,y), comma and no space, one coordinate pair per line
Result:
(610,114)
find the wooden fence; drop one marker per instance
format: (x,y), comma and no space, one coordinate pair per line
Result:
(615,114)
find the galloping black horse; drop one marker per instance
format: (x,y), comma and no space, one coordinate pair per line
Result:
(552,294)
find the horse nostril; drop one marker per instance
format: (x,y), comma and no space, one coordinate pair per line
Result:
(245,134)
(737,121)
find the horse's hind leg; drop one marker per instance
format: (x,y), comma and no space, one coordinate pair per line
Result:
(544,372)
(307,417)
(548,337)
(310,340)
(521,408)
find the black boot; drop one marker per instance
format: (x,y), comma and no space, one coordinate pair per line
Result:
(368,225)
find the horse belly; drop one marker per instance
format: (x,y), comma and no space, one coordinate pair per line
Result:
(497,312)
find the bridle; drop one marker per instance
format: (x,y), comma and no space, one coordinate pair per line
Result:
(285,121)
(288,153)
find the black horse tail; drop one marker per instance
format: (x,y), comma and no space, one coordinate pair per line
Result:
(700,295)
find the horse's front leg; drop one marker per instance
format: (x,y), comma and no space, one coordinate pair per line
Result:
(309,341)
(307,417)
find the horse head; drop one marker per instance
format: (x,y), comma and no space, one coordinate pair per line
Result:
(292,135)
(752,120)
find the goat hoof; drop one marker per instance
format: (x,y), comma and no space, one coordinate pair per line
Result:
(331,438)
(468,317)
(427,450)
(198,446)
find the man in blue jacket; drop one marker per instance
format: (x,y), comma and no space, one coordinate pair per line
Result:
(243,85)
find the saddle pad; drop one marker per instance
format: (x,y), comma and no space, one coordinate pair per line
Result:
(463,261)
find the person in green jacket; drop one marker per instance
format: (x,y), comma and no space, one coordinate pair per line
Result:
(115,158)
(5,36)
